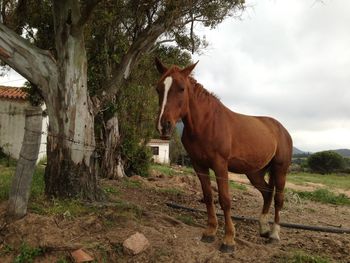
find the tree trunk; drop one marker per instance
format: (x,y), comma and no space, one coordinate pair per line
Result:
(71,142)
(21,183)
(111,163)
(63,84)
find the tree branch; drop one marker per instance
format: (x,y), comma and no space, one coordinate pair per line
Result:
(142,44)
(35,64)
(87,12)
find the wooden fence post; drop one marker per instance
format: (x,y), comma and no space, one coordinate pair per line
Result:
(21,183)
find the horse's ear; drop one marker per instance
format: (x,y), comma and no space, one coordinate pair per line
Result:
(160,66)
(187,71)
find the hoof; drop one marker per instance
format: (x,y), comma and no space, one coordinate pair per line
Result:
(265,235)
(208,239)
(227,248)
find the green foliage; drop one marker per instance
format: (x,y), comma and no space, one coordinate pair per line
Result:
(120,29)
(28,254)
(137,158)
(325,162)
(137,108)
(34,95)
(176,149)
(325,196)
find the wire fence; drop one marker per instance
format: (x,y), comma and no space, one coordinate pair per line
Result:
(94,148)
(100,147)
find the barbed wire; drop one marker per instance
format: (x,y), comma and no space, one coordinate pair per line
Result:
(11,113)
(96,147)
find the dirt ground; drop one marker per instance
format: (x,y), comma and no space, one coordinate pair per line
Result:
(138,205)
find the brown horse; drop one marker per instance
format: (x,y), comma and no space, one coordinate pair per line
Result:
(217,138)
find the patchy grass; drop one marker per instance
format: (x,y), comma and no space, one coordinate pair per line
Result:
(169,170)
(341,181)
(7,173)
(324,196)
(6,249)
(302,257)
(7,161)
(238,186)
(128,210)
(132,184)
(164,169)
(27,254)
(67,208)
(5,181)
(111,190)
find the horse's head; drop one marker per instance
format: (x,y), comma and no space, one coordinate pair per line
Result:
(172,89)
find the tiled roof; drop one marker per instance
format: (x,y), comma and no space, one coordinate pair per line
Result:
(12,93)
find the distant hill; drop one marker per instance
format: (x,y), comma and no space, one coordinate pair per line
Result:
(297,151)
(343,152)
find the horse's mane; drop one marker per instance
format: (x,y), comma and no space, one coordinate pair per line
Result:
(200,91)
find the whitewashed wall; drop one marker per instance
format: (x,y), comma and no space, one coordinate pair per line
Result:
(163,156)
(12,121)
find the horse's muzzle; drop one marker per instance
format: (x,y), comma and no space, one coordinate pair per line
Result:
(166,130)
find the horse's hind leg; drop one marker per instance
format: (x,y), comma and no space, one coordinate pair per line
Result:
(266,190)
(279,173)
(210,232)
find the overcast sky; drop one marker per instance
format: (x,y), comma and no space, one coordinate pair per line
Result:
(286,59)
(289,60)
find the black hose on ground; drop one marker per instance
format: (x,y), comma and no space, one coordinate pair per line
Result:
(288,225)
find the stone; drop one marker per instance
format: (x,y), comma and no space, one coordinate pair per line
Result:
(81,256)
(135,244)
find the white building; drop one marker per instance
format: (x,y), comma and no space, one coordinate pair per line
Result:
(13,102)
(160,150)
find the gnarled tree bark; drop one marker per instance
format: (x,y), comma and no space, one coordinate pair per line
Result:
(63,84)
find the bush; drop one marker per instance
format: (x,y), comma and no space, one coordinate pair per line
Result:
(136,156)
(176,150)
(325,162)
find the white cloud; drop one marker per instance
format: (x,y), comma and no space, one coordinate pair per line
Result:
(289,60)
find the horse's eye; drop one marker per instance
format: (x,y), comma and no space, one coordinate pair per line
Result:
(181,88)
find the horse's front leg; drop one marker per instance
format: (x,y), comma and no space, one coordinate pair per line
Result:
(221,172)
(203,175)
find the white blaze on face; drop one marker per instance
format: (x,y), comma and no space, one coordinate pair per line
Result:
(167,85)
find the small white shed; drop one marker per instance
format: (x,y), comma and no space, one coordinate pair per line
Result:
(13,102)
(160,150)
